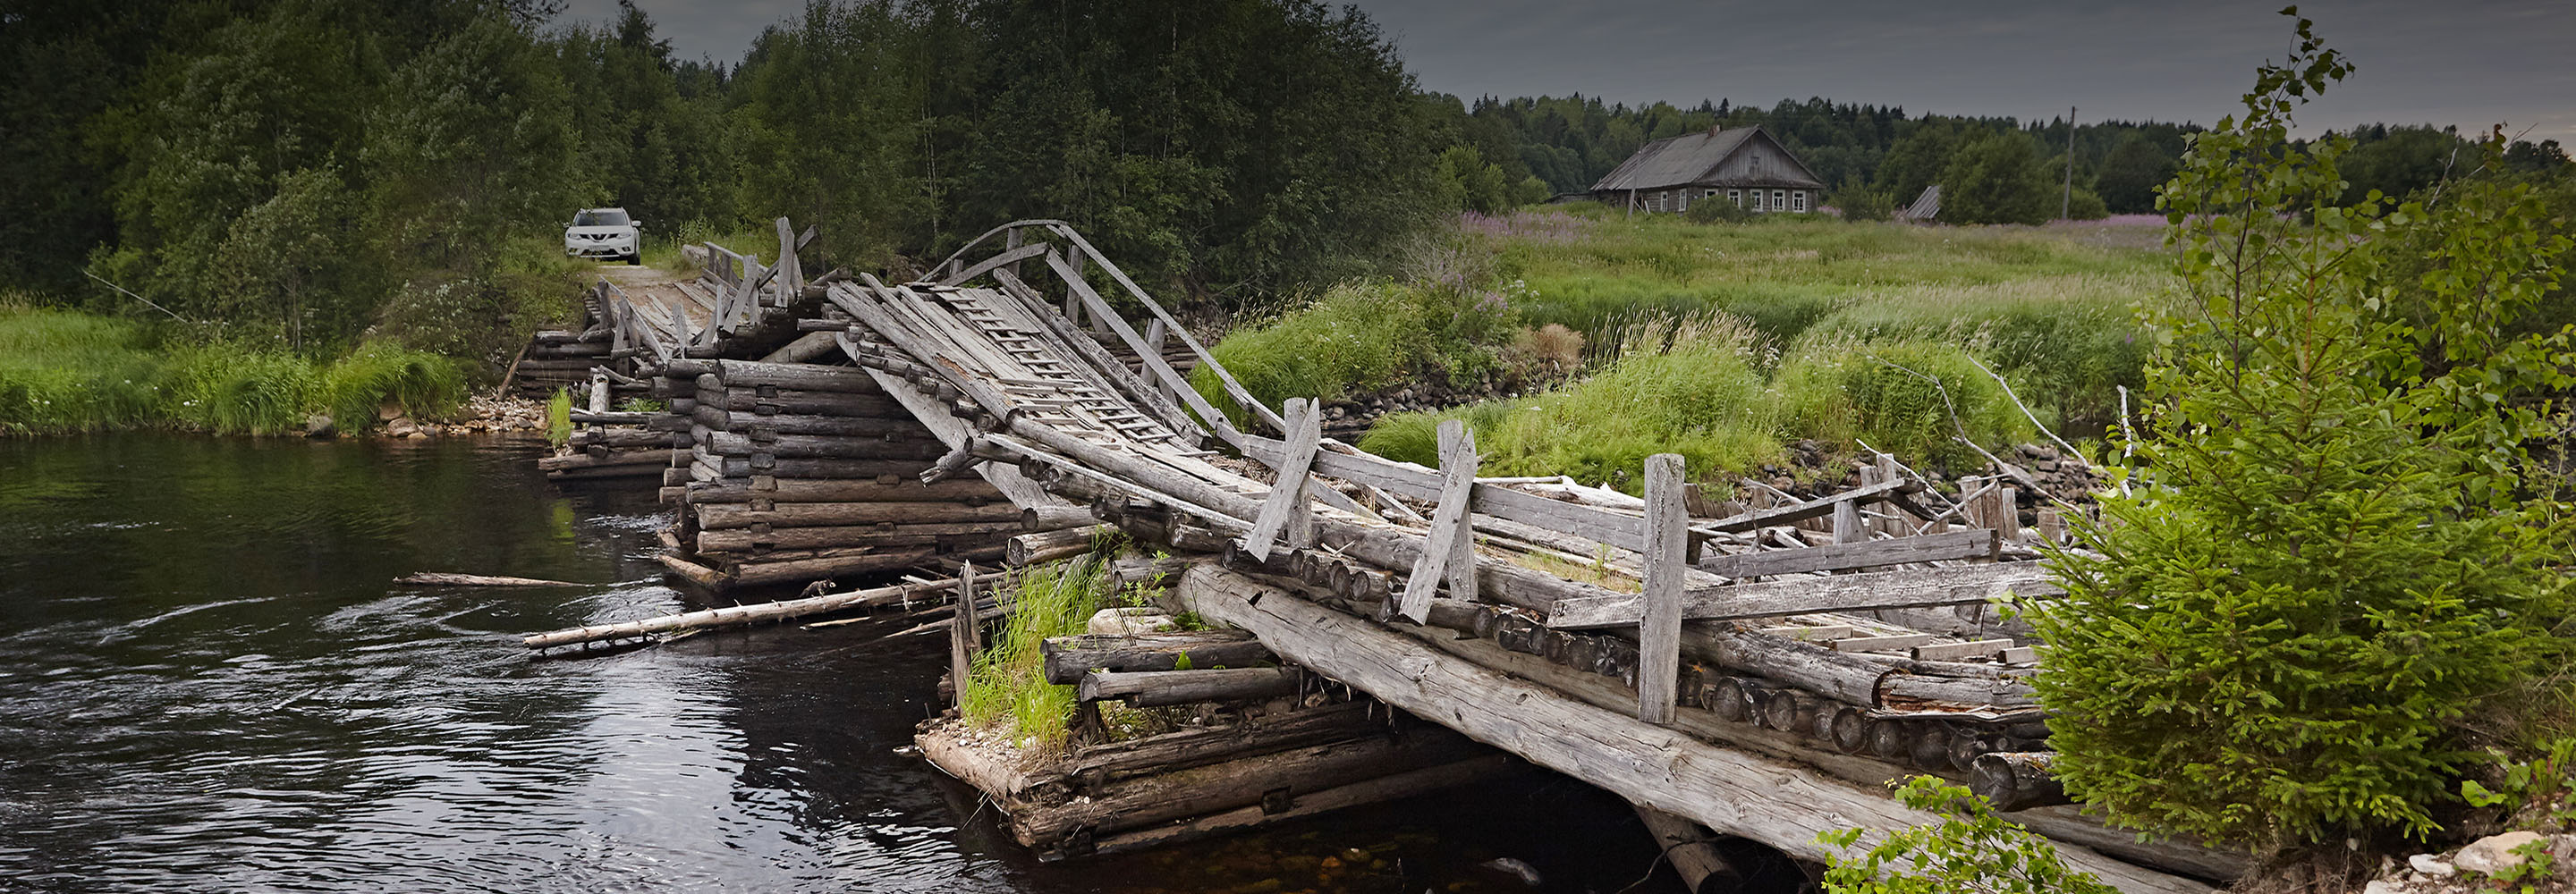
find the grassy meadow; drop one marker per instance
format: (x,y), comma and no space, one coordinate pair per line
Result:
(1725,341)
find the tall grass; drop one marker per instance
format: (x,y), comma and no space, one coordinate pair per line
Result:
(70,372)
(1007,687)
(1364,336)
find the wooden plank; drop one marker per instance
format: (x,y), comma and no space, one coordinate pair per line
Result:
(1289,493)
(1774,802)
(1882,643)
(1626,532)
(1100,309)
(990,264)
(1448,521)
(960,653)
(1966,544)
(1984,648)
(1659,637)
(1810,595)
(1796,512)
(1233,388)
(1814,633)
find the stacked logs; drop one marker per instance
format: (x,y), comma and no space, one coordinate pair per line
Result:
(555,360)
(1912,715)
(608,443)
(797,472)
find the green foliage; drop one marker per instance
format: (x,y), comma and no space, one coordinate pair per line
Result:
(1997,179)
(68,372)
(1707,211)
(1465,182)
(1008,685)
(1363,336)
(2539,792)
(559,417)
(1689,388)
(1858,202)
(1911,398)
(2340,557)
(2128,179)
(297,259)
(1971,850)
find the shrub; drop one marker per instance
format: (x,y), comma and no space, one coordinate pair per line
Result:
(1914,399)
(1971,849)
(421,385)
(1364,336)
(1708,211)
(2339,557)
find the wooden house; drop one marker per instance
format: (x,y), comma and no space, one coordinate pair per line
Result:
(1745,166)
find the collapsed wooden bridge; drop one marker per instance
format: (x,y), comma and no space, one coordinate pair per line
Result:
(1755,664)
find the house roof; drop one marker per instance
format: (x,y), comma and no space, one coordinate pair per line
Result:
(1693,158)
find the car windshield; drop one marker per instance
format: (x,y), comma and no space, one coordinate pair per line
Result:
(607,218)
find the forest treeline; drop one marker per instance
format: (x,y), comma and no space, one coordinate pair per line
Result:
(308,171)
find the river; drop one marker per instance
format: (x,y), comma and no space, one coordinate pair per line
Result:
(208,682)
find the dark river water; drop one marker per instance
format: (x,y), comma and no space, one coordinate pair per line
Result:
(208,682)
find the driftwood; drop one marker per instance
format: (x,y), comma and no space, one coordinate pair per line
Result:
(737,615)
(1048,546)
(444,579)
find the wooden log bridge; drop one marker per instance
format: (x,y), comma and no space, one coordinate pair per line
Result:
(1725,659)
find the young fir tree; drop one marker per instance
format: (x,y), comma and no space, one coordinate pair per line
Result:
(2342,554)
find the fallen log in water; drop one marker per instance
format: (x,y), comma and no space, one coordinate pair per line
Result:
(444,579)
(742,615)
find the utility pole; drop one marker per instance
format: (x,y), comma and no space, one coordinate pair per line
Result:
(2066,199)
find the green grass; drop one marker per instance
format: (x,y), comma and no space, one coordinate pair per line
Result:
(1007,688)
(1359,337)
(62,371)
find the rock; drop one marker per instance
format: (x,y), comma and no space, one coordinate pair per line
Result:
(1128,622)
(2494,853)
(388,411)
(318,425)
(2383,886)
(2431,866)
(400,427)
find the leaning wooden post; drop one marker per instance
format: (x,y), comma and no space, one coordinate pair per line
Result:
(1659,634)
(1301,516)
(1288,498)
(598,390)
(962,633)
(1448,527)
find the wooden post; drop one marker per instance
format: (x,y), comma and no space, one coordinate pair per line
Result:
(1659,637)
(1011,240)
(1847,527)
(962,631)
(1448,526)
(790,281)
(2007,513)
(1154,336)
(598,390)
(1287,502)
(1972,512)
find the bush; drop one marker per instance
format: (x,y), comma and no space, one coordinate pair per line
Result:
(1707,211)
(1972,849)
(2339,561)
(1913,399)
(1362,337)
(1689,388)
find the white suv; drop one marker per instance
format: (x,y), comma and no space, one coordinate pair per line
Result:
(604,233)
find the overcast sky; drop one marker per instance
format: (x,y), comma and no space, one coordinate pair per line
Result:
(2471,63)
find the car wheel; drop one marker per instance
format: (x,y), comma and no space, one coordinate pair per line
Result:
(634,258)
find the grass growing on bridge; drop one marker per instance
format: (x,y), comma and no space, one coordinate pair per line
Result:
(1007,687)
(62,372)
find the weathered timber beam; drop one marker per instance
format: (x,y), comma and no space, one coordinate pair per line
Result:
(1234,389)
(1812,595)
(1146,689)
(1816,508)
(2016,780)
(1070,658)
(1971,544)
(1728,791)
(1048,546)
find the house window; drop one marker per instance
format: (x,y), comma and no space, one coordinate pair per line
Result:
(1779,200)
(1736,196)
(1709,194)
(1798,200)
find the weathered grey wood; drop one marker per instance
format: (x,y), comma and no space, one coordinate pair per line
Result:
(1069,658)
(1954,545)
(1288,492)
(818,446)
(1448,520)
(887,489)
(447,579)
(1207,360)
(1048,546)
(1659,638)
(1147,689)
(1984,648)
(1796,512)
(1390,787)
(1731,792)
(1066,340)
(1180,384)
(988,265)
(1683,844)
(1626,532)
(1809,595)
(1897,642)
(737,615)
(755,540)
(961,652)
(716,516)
(802,424)
(801,376)
(661,457)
